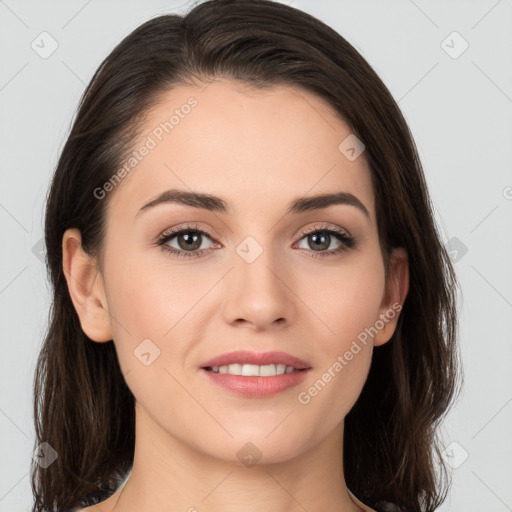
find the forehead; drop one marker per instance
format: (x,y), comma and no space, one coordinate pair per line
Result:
(255,147)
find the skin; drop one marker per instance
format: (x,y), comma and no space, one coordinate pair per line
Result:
(258,150)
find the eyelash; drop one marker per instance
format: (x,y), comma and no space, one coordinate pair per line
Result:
(347,242)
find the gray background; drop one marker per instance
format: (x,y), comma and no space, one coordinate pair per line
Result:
(459,109)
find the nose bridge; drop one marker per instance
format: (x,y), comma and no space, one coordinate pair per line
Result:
(257,292)
(257,262)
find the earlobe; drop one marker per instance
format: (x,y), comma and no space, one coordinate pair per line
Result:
(397,286)
(85,286)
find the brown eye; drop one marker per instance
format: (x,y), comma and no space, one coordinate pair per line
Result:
(320,239)
(188,242)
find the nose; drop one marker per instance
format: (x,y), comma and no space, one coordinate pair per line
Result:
(258,288)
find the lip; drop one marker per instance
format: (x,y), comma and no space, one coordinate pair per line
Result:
(256,387)
(259,358)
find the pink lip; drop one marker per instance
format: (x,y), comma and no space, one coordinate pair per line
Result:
(259,358)
(257,387)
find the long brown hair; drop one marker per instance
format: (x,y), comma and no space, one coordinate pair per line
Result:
(82,406)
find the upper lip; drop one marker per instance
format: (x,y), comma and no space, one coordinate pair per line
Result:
(258,358)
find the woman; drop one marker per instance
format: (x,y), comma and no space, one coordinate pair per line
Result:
(252,305)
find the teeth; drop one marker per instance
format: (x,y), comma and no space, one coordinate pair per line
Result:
(254,370)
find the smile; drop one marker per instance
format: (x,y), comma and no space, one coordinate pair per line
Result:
(253,370)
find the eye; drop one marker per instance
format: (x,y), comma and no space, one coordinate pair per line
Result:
(190,238)
(321,238)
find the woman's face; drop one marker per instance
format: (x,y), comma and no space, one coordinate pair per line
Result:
(257,281)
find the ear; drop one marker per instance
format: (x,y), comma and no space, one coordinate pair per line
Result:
(86,288)
(397,286)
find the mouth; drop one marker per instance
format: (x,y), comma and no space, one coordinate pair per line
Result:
(256,374)
(254,370)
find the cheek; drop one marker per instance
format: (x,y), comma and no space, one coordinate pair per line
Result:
(344,300)
(158,302)
(149,297)
(154,325)
(330,394)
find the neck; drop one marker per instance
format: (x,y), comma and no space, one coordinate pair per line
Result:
(173,476)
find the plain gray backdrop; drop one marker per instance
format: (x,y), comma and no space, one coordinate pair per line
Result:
(447,64)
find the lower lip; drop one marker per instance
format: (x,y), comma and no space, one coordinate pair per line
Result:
(257,387)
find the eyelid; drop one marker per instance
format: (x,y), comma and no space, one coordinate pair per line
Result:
(324,227)
(184,227)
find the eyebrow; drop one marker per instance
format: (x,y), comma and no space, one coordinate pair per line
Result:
(216,204)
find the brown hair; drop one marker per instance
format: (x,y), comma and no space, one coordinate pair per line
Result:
(82,405)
